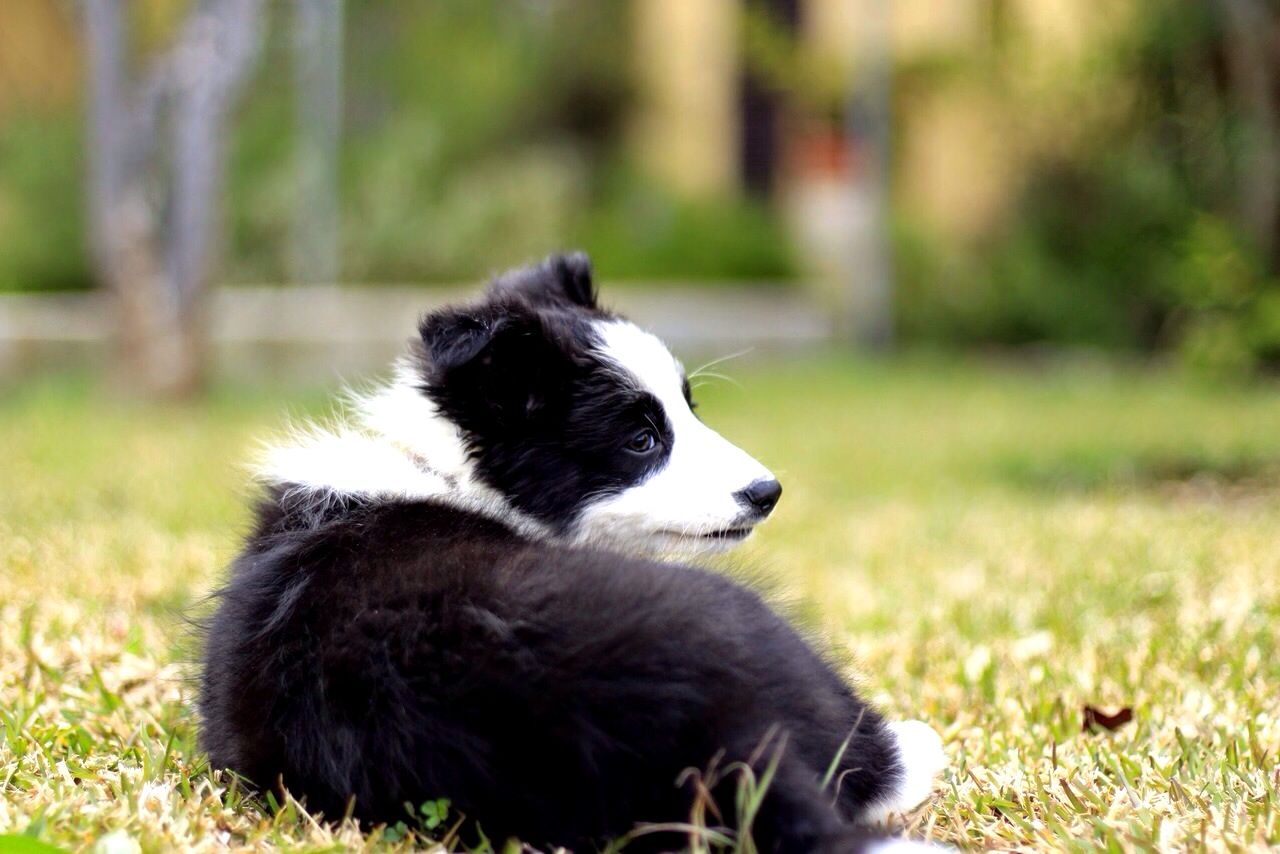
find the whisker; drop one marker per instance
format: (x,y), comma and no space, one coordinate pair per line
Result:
(717,376)
(698,371)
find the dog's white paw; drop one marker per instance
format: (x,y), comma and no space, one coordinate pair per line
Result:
(903,846)
(920,752)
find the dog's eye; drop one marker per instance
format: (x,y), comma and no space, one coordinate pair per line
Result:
(643,442)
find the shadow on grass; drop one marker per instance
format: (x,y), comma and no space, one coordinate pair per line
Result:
(1190,475)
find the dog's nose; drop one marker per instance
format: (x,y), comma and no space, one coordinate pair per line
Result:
(761,496)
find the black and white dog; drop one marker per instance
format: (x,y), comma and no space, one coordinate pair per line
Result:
(457,595)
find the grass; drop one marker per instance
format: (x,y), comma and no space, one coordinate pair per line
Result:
(987,549)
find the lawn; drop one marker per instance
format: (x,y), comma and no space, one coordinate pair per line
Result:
(985,548)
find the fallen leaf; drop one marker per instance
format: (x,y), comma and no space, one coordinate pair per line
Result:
(1095,717)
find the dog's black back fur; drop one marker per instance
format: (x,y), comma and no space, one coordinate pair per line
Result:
(391,653)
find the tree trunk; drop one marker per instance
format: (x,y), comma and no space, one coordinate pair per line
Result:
(160,346)
(1250,31)
(317,63)
(158,269)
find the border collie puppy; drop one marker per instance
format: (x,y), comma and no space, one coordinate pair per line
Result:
(457,595)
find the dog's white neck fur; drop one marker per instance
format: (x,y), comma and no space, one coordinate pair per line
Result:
(394,444)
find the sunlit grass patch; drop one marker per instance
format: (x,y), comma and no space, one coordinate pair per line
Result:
(988,550)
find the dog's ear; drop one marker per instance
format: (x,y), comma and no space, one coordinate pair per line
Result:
(452,337)
(563,280)
(491,360)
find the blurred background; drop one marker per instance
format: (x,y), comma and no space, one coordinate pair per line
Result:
(197,187)
(1003,276)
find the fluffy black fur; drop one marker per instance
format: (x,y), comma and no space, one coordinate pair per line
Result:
(369,654)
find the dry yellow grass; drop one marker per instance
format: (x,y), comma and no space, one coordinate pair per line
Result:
(989,551)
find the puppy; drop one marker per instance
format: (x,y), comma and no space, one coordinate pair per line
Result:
(459,595)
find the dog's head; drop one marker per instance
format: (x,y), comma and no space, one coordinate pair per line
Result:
(584,422)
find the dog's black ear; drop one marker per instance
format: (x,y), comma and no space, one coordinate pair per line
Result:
(491,360)
(563,280)
(452,337)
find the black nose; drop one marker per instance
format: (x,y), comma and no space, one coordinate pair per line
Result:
(761,496)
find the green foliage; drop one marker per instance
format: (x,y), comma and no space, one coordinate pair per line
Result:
(784,62)
(22,844)
(42,239)
(1231,309)
(638,230)
(465,148)
(1083,260)
(477,134)
(480,135)
(1126,232)
(434,813)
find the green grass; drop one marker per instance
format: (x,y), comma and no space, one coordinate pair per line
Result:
(988,550)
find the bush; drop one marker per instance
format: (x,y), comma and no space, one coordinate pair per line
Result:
(477,134)
(637,230)
(1228,309)
(1126,232)
(42,240)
